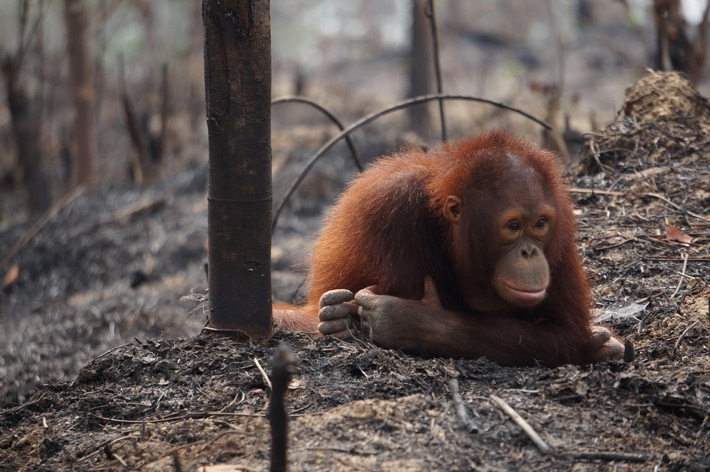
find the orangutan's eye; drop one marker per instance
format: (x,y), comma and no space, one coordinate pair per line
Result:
(513,226)
(539,224)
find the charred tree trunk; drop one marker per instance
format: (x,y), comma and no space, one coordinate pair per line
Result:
(25,129)
(195,75)
(674,47)
(76,22)
(420,72)
(26,111)
(238,94)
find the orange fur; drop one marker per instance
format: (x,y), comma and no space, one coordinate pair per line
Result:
(387,230)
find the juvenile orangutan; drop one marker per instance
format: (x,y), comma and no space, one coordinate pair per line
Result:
(465,251)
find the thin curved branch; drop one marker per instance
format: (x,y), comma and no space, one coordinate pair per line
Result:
(331,116)
(373,116)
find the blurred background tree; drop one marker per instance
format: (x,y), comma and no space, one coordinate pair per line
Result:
(351,56)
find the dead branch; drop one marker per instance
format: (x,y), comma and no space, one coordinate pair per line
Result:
(331,117)
(461,410)
(546,449)
(263,373)
(604,456)
(682,335)
(661,197)
(520,421)
(373,116)
(682,275)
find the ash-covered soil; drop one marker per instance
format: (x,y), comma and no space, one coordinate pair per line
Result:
(171,400)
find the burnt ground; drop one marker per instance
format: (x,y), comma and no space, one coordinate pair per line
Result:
(99,375)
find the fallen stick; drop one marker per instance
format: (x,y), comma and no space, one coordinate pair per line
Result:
(682,274)
(661,197)
(546,449)
(594,191)
(682,335)
(263,373)
(461,410)
(604,456)
(532,434)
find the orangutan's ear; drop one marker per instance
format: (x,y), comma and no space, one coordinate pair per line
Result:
(452,208)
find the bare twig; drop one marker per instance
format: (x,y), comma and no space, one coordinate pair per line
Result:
(345,450)
(661,197)
(676,259)
(612,246)
(331,117)
(240,393)
(682,335)
(25,405)
(546,449)
(604,456)
(461,410)
(682,274)
(520,421)
(186,416)
(104,444)
(115,348)
(373,116)
(118,458)
(595,191)
(263,372)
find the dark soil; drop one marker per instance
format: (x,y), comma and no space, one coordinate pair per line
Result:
(186,402)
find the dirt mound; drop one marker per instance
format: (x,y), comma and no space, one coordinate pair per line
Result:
(644,232)
(659,95)
(663,118)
